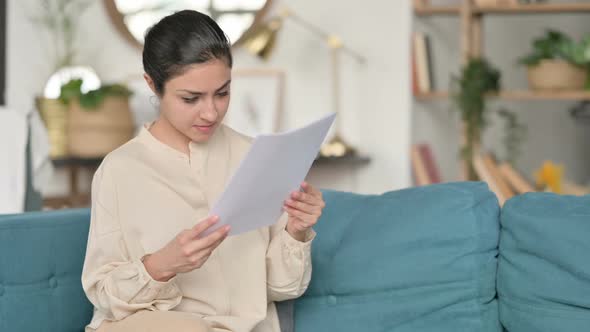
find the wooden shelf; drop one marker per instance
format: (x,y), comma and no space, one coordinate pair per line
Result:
(75,161)
(517,95)
(536,8)
(539,95)
(347,160)
(437,10)
(431,96)
(516,9)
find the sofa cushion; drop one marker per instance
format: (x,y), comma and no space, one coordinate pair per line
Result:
(420,259)
(41,258)
(544,265)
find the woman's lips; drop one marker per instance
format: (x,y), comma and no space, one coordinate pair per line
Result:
(204,129)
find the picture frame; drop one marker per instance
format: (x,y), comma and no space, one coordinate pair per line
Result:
(256,105)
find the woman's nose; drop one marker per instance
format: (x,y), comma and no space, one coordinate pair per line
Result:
(209,112)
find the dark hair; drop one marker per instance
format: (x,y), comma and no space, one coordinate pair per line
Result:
(181,39)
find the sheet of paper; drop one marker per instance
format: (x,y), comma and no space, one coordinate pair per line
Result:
(274,167)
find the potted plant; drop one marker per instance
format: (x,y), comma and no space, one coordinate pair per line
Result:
(558,63)
(99,121)
(477,79)
(59,18)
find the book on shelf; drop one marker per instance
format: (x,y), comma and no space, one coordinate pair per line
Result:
(422,60)
(415,87)
(570,188)
(421,177)
(424,166)
(492,166)
(485,167)
(430,162)
(515,179)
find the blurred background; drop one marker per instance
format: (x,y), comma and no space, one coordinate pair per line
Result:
(425,91)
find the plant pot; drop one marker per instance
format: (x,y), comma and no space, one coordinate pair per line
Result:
(556,75)
(93,133)
(55,116)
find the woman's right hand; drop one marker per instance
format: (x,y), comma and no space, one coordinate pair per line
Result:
(186,252)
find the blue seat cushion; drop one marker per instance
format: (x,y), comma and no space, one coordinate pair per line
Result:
(544,265)
(41,259)
(420,259)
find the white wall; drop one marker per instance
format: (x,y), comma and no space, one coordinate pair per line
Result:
(552,133)
(375,102)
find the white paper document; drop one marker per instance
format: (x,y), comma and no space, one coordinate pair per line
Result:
(274,167)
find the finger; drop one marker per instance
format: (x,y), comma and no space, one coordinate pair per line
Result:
(207,241)
(205,252)
(215,237)
(203,225)
(305,217)
(301,225)
(303,207)
(198,260)
(306,198)
(308,188)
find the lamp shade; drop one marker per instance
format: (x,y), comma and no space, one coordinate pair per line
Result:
(261,39)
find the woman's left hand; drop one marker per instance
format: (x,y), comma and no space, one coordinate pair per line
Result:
(304,209)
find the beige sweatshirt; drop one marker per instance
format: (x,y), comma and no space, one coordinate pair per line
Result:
(143,195)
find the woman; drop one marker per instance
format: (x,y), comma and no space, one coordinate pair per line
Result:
(147,266)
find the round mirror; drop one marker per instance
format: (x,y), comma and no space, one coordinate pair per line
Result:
(133,17)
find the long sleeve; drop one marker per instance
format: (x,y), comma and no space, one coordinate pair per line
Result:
(116,284)
(288,263)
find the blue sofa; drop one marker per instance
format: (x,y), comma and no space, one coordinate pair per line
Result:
(435,258)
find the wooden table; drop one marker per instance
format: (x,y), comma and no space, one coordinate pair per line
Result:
(74,198)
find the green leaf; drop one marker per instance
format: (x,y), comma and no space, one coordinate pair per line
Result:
(556,45)
(468,91)
(92,99)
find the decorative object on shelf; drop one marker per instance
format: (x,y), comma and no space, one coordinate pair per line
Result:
(477,78)
(133,18)
(549,177)
(55,117)
(558,63)
(99,120)
(54,112)
(261,40)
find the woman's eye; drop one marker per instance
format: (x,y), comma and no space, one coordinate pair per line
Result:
(223,94)
(190,100)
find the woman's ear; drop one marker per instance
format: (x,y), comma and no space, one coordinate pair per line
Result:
(150,83)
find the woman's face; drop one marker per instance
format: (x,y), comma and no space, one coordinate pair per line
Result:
(195,102)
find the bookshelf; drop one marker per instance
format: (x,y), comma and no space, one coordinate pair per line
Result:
(515,95)
(427,10)
(471,17)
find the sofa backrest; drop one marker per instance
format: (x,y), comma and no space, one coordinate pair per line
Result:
(544,265)
(420,259)
(41,258)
